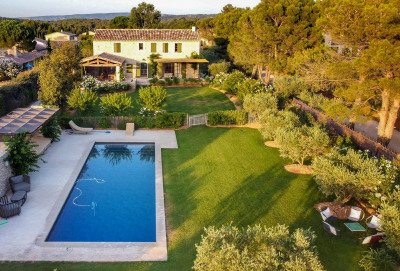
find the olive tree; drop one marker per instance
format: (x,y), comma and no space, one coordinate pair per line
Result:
(256,104)
(300,144)
(257,248)
(152,98)
(272,119)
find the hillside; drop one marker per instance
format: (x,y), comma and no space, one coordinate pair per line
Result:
(109,16)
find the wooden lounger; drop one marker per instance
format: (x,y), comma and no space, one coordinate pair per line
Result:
(79,130)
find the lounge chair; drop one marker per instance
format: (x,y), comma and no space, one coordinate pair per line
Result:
(373,222)
(9,209)
(369,240)
(327,214)
(356,214)
(20,183)
(79,130)
(331,229)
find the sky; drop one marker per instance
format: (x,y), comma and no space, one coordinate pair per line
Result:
(29,8)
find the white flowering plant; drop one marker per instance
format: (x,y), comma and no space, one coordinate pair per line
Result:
(219,79)
(90,82)
(9,68)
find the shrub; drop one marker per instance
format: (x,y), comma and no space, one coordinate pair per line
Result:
(287,87)
(250,86)
(115,104)
(161,82)
(271,120)
(104,123)
(220,67)
(256,104)
(9,68)
(85,101)
(228,117)
(257,248)
(112,87)
(21,154)
(350,175)
(232,82)
(168,81)
(144,122)
(51,129)
(378,260)
(152,98)
(90,82)
(302,144)
(176,80)
(219,79)
(153,80)
(170,120)
(19,92)
(390,215)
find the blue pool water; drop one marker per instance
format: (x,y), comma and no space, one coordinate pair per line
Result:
(113,199)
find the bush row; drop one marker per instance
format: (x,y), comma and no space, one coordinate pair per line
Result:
(229,117)
(175,81)
(19,92)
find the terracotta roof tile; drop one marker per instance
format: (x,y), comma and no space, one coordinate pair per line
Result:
(146,34)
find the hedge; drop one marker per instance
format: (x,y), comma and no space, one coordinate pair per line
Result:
(20,92)
(229,117)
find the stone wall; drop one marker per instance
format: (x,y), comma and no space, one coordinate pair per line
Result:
(5,172)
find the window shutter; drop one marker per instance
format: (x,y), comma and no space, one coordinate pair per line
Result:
(154,47)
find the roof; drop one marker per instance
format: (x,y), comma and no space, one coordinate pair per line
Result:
(180,60)
(103,57)
(40,44)
(25,119)
(59,43)
(23,58)
(146,34)
(62,32)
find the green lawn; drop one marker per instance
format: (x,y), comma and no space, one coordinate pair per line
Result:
(219,175)
(192,100)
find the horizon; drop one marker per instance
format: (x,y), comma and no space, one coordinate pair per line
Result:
(39,8)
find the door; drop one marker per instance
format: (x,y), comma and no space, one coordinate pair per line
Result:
(143,69)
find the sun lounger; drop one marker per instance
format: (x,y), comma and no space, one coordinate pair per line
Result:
(79,130)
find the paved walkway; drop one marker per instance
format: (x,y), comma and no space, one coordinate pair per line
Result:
(22,237)
(370,128)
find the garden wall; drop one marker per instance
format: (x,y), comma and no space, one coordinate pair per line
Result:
(5,171)
(359,139)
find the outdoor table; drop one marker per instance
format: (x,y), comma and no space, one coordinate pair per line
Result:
(354,226)
(19,196)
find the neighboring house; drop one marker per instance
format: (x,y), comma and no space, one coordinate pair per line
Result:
(130,49)
(61,36)
(26,60)
(41,45)
(88,33)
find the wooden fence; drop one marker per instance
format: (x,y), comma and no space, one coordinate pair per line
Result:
(195,120)
(359,139)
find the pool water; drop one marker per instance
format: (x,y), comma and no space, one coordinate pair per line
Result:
(113,198)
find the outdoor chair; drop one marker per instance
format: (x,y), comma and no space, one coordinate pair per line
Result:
(20,183)
(330,229)
(327,214)
(79,130)
(369,240)
(9,209)
(373,222)
(356,214)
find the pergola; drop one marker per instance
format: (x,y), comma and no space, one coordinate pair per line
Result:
(103,66)
(25,120)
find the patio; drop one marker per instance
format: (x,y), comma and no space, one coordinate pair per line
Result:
(22,237)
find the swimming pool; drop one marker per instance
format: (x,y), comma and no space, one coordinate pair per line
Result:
(113,198)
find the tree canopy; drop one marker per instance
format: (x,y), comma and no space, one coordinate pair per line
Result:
(144,16)
(16,33)
(119,22)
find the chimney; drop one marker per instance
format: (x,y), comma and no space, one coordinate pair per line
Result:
(193,28)
(13,51)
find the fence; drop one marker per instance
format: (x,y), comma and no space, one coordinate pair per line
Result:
(102,122)
(359,139)
(196,120)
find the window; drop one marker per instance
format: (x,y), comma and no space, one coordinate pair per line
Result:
(129,68)
(165,47)
(154,47)
(141,46)
(169,67)
(178,47)
(117,47)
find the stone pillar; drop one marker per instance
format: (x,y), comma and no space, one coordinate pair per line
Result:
(117,75)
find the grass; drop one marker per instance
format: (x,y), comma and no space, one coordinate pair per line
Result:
(192,100)
(219,175)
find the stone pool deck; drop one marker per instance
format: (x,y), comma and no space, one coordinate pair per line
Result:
(22,238)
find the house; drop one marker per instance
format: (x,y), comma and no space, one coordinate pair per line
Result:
(41,45)
(61,36)
(25,59)
(88,33)
(130,50)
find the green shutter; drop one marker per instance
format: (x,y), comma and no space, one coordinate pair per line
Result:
(178,47)
(165,47)
(117,47)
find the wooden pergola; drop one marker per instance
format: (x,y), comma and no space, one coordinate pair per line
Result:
(103,66)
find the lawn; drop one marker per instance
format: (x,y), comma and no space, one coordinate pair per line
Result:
(192,100)
(219,175)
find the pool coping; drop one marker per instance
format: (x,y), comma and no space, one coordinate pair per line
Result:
(161,238)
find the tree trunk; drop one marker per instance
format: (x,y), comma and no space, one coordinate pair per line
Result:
(254,72)
(383,118)
(392,117)
(264,74)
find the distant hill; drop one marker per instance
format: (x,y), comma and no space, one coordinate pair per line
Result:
(109,16)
